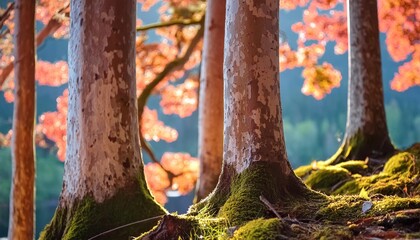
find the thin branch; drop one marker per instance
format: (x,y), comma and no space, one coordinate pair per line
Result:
(142,99)
(146,146)
(147,91)
(53,24)
(268,204)
(6,14)
(179,22)
(126,225)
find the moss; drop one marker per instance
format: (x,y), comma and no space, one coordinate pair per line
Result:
(400,176)
(341,208)
(354,166)
(351,187)
(303,171)
(361,145)
(332,232)
(348,208)
(326,177)
(393,203)
(87,218)
(259,229)
(243,203)
(407,162)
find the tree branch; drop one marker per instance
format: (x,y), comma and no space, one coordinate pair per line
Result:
(179,22)
(53,24)
(142,99)
(6,14)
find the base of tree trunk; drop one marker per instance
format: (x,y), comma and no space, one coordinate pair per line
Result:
(237,200)
(235,211)
(86,218)
(361,146)
(237,197)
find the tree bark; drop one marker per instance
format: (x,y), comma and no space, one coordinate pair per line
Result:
(253,130)
(254,161)
(104,184)
(210,116)
(255,164)
(22,197)
(366,128)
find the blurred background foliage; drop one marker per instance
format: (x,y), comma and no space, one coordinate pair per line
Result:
(313,129)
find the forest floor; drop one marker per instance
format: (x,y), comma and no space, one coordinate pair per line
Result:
(358,201)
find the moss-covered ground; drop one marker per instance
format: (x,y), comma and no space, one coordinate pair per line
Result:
(400,175)
(357,204)
(87,219)
(338,217)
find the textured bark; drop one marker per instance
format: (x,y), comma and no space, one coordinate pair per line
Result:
(253,128)
(254,156)
(253,124)
(21,222)
(366,129)
(210,116)
(103,154)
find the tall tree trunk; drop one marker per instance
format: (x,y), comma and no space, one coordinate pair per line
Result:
(366,129)
(21,221)
(104,185)
(254,156)
(210,136)
(255,164)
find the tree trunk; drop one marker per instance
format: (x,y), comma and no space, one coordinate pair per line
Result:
(255,164)
(104,185)
(366,129)
(21,221)
(254,161)
(210,140)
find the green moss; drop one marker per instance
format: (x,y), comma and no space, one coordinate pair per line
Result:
(354,166)
(393,203)
(348,208)
(243,203)
(399,176)
(351,187)
(303,171)
(405,162)
(328,232)
(259,229)
(88,218)
(326,177)
(341,208)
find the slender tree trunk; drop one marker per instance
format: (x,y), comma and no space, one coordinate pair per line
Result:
(255,164)
(254,161)
(21,221)
(366,129)
(104,185)
(210,140)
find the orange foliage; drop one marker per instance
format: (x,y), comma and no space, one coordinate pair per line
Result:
(47,9)
(180,99)
(181,165)
(153,129)
(51,74)
(408,74)
(53,125)
(319,80)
